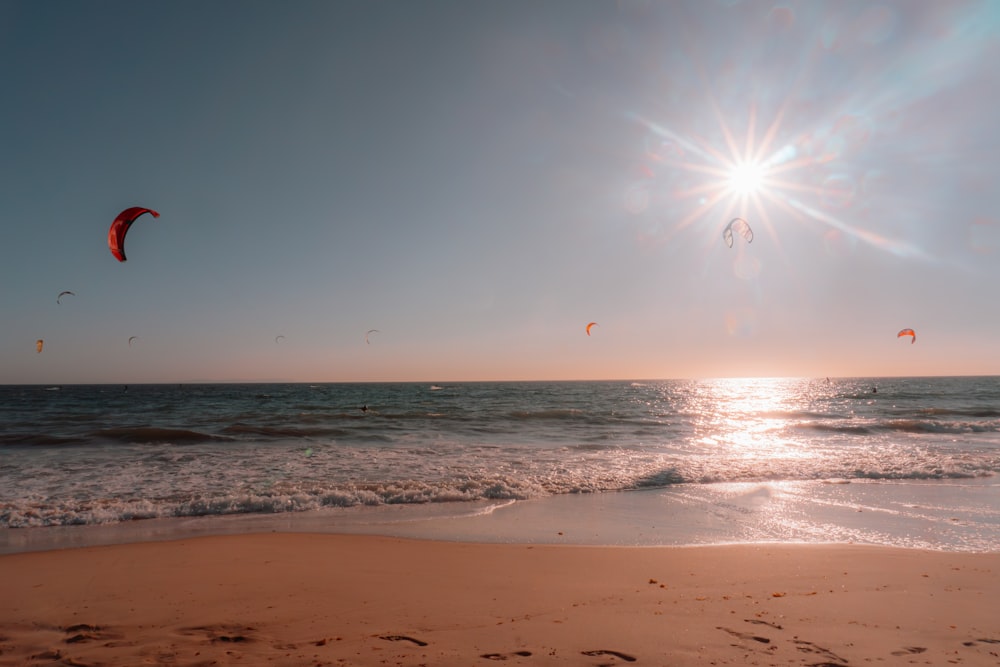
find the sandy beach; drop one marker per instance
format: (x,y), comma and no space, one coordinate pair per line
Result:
(301,599)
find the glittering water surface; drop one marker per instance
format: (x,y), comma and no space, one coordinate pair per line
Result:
(782,449)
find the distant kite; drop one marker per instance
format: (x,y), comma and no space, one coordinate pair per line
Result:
(741,226)
(130,339)
(62,294)
(908,332)
(278,338)
(120,227)
(589,326)
(367,333)
(39,344)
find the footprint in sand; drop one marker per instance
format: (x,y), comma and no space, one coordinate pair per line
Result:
(985,641)
(82,632)
(402,638)
(47,655)
(808,647)
(220,633)
(618,654)
(907,650)
(81,627)
(744,635)
(504,656)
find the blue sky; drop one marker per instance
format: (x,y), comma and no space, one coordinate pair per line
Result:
(479,180)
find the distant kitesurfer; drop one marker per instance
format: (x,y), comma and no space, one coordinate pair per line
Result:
(364,408)
(874,390)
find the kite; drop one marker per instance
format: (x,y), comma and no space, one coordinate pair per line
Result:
(741,226)
(908,332)
(130,339)
(62,294)
(38,344)
(277,338)
(370,331)
(592,324)
(120,227)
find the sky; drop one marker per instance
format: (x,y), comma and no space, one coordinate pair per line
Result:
(477,181)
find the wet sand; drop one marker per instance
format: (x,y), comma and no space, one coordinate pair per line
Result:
(310,599)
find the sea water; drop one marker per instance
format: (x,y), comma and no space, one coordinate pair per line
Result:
(897,461)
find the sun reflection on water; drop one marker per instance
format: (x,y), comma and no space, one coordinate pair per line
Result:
(748,418)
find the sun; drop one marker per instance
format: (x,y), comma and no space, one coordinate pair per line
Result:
(751,177)
(746,178)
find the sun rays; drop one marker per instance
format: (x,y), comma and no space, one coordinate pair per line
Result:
(784,172)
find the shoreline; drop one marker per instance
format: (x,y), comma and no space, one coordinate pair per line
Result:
(294,599)
(949,516)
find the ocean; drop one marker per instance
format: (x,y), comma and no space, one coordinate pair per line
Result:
(895,461)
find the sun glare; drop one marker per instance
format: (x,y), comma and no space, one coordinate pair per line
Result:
(746,178)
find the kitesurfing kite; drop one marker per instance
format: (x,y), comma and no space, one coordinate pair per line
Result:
(278,338)
(741,226)
(130,339)
(39,344)
(120,227)
(367,333)
(62,294)
(908,332)
(592,324)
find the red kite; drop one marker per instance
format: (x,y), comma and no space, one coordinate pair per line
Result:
(120,227)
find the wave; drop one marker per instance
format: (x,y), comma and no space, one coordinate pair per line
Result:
(922,426)
(282,431)
(902,426)
(961,412)
(573,416)
(69,512)
(564,413)
(123,435)
(847,429)
(151,434)
(289,497)
(36,440)
(793,415)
